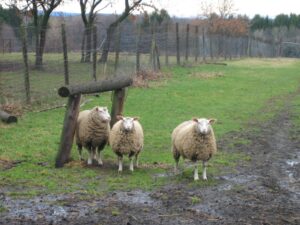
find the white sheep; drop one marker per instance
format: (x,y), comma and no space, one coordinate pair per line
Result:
(127,138)
(92,132)
(194,140)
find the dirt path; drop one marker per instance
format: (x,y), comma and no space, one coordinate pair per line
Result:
(265,190)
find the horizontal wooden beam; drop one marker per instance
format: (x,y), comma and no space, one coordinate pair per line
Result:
(95,87)
(7,118)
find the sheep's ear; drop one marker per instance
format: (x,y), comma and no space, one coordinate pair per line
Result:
(97,109)
(212,121)
(195,119)
(119,117)
(136,118)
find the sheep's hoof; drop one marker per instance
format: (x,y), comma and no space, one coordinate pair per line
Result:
(205,178)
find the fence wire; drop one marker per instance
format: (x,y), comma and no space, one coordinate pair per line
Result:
(133,49)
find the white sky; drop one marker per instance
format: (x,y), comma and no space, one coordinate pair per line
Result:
(192,8)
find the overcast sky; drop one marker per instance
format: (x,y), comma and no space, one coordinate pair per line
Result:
(192,8)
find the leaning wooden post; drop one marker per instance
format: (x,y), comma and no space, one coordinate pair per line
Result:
(177,45)
(25,59)
(187,44)
(68,130)
(64,42)
(117,105)
(94,53)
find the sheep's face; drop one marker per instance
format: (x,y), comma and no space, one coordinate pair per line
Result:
(127,122)
(103,114)
(204,125)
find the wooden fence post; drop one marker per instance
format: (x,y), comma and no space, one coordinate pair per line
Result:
(187,43)
(177,45)
(83,46)
(25,59)
(65,47)
(203,44)
(117,105)
(197,43)
(117,44)
(138,43)
(68,130)
(94,53)
(166,45)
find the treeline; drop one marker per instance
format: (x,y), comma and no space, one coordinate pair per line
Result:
(282,20)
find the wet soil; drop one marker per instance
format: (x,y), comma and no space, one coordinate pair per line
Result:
(265,190)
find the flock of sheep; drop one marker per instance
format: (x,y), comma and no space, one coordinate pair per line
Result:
(193,140)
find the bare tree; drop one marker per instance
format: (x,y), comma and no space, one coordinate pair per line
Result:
(40,22)
(225,8)
(112,27)
(88,19)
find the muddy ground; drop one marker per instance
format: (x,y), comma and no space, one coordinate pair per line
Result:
(265,190)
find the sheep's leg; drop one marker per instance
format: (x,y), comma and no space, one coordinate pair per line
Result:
(136,160)
(120,160)
(204,170)
(196,176)
(91,156)
(79,147)
(131,164)
(98,157)
(176,158)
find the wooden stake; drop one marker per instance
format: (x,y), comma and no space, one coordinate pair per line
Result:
(68,131)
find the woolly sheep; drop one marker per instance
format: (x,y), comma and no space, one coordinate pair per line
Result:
(194,140)
(92,132)
(127,138)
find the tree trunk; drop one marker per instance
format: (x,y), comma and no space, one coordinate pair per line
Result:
(42,41)
(109,34)
(83,46)
(88,49)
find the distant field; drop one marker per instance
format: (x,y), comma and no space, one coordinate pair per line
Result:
(235,94)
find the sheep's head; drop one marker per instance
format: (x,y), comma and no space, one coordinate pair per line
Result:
(103,114)
(127,122)
(204,125)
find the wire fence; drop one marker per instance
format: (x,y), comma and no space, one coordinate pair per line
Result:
(133,50)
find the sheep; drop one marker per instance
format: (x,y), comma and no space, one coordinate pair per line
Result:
(127,138)
(92,132)
(194,140)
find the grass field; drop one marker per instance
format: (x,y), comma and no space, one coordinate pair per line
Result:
(233,94)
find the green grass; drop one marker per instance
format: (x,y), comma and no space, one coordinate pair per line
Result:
(238,96)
